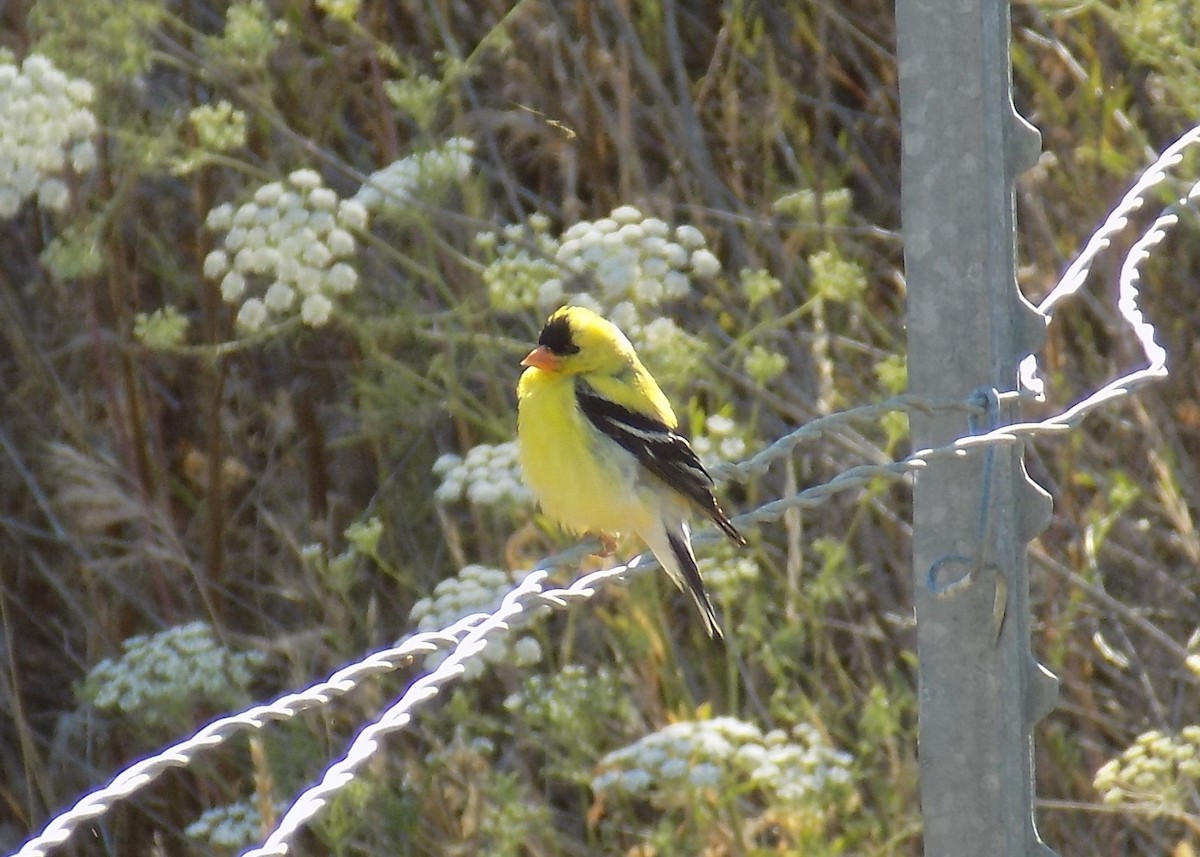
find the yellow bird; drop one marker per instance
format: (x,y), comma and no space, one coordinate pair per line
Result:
(599,447)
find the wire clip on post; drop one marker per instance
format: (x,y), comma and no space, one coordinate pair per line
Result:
(951,573)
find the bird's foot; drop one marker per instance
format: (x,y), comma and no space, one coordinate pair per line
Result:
(608,544)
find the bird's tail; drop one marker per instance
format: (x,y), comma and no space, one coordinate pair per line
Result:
(672,545)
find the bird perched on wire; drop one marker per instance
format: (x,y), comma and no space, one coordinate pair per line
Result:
(599,448)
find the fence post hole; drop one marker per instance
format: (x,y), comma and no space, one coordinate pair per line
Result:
(981,690)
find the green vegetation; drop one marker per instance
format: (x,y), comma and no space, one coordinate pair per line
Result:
(268,269)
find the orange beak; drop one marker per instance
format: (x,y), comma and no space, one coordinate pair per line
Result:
(541,358)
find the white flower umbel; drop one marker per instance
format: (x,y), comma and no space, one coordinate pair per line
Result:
(232,826)
(1157,773)
(795,770)
(421,177)
(489,476)
(161,678)
(476,589)
(522,272)
(625,260)
(636,258)
(626,265)
(555,703)
(286,251)
(46,125)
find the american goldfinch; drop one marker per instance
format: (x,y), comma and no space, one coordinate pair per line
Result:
(599,449)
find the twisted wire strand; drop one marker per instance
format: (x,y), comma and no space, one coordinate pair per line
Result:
(815,428)
(1077,272)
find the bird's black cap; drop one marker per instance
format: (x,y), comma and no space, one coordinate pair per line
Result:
(556,337)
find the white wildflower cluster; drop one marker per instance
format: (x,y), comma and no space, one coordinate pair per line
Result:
(550,698)
(635,258)
(160,678)
(572,708)
(232,826)
(522,272)
(296,237)
(722,441)
(576,714)
(1159,769)
(421,176)
(488,476)
(45,124)
(729,755)
(476,589)
(629,262)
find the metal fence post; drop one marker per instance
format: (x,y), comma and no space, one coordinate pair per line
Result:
(981,690)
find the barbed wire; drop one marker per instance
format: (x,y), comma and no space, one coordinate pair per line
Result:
(468,636)
(815,428)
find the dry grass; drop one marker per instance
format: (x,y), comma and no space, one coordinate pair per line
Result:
(141,489)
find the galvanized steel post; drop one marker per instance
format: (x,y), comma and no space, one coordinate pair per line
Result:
(981,690)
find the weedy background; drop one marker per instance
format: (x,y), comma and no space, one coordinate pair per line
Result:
(264,292)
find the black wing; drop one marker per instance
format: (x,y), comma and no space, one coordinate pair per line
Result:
(659,449)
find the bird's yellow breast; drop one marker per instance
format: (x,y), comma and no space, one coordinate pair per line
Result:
(582,479)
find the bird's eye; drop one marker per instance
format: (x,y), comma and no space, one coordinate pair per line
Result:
(556,337)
